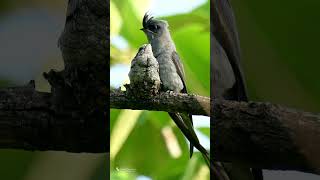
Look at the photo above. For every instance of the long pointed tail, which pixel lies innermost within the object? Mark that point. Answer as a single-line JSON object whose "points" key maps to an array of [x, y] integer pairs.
{"points": [[185, 125], [191, 145]]}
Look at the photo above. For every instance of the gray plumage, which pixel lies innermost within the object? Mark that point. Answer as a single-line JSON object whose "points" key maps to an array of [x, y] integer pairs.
{"points": [[171, 74], [227, 76], [164, 50], [144, 72], [225, 33]]}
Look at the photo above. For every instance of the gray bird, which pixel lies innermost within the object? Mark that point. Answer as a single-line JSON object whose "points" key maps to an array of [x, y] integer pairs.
{"points": [[144, 72], [227, 76], [171, 75]]}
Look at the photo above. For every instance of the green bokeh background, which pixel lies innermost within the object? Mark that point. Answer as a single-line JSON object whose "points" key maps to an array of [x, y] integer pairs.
{"points": [[280, 55], [143, 150], [280, 45]]}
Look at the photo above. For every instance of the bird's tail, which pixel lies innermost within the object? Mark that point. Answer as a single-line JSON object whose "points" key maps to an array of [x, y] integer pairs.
{"points": [[216, 168], [218, 171], [206, 157], [184, 123]]}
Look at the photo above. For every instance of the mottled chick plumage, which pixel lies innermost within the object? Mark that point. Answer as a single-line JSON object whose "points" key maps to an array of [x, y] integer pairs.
{"points": [[144, 73]]}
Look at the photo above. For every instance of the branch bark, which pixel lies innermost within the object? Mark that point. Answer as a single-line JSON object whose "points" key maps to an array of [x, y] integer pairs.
{"points": [[29, 121], [73, 117], [164, 101], [257, 134], [265, 135]]}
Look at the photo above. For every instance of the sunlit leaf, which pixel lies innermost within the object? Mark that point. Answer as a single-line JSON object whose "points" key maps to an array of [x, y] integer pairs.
{"points": [[115, 19], [197, 16], [122, 175], [203, 173], [140, 6], [118, 56], [145, 150], [196, 168], [205, 131], [131, 24], [121, 130]]}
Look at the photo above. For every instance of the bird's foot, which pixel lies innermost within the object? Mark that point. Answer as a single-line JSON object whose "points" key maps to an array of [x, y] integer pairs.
{"points": [[170, 92]]}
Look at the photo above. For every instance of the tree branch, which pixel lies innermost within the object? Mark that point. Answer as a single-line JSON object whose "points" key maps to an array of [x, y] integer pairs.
{"points": [[164, 101], [73, 116], [265, 135], [29, 121], [258, 134]]}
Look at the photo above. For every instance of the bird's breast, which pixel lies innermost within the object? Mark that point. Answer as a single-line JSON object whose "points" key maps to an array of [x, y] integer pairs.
{"points": [[168, 73]]}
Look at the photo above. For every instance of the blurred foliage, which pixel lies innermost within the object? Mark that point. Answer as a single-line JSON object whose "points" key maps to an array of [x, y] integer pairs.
{"points": [[5, 83], [139, 144], [280, 45], [15, 164], [279, 42]]}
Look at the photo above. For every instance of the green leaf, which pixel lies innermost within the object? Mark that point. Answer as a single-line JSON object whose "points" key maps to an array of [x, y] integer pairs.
{"points": [[205, 131], [122, 175], [115, 20], [121, 130], [145, 150], [132, 22], [196, 168]]}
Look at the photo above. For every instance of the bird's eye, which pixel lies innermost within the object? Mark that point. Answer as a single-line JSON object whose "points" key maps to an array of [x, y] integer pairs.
{"points": [[153, 27]]}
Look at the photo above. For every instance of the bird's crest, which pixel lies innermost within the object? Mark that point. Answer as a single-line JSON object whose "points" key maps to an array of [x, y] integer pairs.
{"points": [[146, 20]]}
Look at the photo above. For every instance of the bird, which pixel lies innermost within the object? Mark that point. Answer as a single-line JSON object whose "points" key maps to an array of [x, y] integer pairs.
{"points": [[228, 80], [144, 72], [172, 75]]}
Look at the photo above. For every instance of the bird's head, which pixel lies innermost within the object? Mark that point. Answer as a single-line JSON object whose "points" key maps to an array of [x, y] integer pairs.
{"points": [[154, 28], [145, 49]]}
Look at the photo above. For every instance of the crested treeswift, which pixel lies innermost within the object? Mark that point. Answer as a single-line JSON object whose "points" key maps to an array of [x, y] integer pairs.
{"points": [[227, 77], [171, 75]]}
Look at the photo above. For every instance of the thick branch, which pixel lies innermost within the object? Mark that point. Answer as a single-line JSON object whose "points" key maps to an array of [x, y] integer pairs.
{"points": [[169, 102], [257, 134], [266, 136], [73, 117], [29, 121]]}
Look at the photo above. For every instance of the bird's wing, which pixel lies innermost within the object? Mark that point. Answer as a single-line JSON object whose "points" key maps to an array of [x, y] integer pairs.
{"points": [[223, 79], [179, 67], [225, 31], [180, 70]]}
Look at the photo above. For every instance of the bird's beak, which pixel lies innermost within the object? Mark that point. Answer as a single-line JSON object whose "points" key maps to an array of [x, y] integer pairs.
{"points": [[143, 29]]}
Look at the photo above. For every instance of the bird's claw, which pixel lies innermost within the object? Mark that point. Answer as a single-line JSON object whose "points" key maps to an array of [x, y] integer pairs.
{"points": [[170, 92]]}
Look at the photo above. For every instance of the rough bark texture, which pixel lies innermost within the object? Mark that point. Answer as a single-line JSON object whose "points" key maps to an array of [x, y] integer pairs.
{"points": [[73, 117], [257, 134], [266, 136], [261, 135], [29, 121], [165, 101]]}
